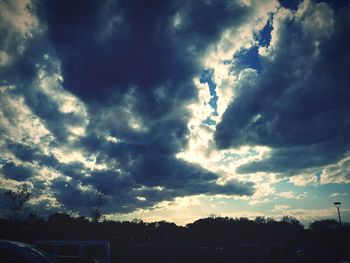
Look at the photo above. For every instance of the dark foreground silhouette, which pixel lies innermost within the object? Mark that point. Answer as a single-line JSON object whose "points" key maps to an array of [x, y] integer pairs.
{"points": [[212, 239]]}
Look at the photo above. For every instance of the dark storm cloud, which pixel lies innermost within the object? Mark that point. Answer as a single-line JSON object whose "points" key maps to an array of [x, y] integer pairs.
{"points": [[73, 169], [132, 63], [109, 50], [109, 182], [32, 154], [142, 49], [113, 50], [125, 192], [54, 120], [299, 103], [145, 171], [156, 169], [74, 198], [25, 47], [145, 63], [137, 52], [22, 152], [153, 168], [21, 68], [70, 196], [336, 5], [17, 172], [288, 161]]}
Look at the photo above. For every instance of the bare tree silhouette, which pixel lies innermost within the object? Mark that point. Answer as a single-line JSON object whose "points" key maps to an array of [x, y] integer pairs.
{"points": [[96, 212], [16, 201]]}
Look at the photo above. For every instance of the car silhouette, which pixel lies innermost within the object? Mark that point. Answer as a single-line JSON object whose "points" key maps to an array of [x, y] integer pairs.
{"points": [[18, 252]]}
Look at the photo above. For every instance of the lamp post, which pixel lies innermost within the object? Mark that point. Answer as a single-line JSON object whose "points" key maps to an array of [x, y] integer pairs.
{"points": [[337, 205]]}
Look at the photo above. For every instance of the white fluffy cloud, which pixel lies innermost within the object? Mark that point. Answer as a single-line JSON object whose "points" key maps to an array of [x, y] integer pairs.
{"points": [[337, 173]]}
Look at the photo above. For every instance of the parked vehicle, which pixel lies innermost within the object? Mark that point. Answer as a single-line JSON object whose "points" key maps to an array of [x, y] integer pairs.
{"points": [[18, 252]]}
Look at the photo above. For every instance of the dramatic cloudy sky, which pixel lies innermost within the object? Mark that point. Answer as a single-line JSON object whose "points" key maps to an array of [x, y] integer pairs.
{"points": [[177, 109]]}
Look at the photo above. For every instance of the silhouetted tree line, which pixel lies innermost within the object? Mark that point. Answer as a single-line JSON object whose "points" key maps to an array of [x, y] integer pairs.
{"points": [[211, 231], [211, 239], [212, 236]]}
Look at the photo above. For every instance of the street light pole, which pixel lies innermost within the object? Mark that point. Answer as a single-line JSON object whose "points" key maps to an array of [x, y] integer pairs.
{"points": [[337, 205]]}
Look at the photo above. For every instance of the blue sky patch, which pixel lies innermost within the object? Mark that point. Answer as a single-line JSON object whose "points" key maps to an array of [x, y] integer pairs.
{"points": [[290, 4], [264, 36], [207, 77], [248, 58], [210, 122]]}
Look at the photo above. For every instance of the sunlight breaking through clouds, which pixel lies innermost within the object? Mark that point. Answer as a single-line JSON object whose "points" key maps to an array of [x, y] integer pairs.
{"points": [[207, 107]]}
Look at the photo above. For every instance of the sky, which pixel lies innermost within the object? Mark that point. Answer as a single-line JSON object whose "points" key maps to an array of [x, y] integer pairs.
{"points": [[176, 110]]}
